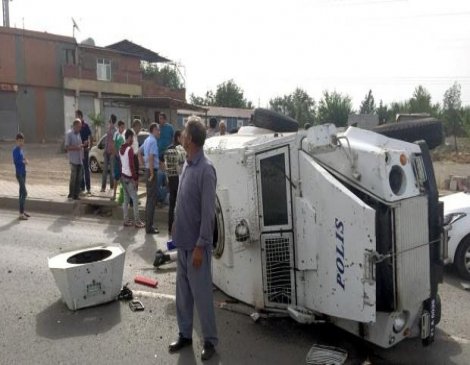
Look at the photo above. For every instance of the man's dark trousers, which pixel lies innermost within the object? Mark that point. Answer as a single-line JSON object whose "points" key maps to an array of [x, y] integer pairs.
{"points": [[152, 190], [85, 182], [173, 182], [75, 177], [22, 193]]}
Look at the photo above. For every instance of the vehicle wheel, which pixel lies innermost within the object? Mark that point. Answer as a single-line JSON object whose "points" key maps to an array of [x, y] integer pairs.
{"points": [[269, 119], [462, 258], [430, 131], [94, 165]]}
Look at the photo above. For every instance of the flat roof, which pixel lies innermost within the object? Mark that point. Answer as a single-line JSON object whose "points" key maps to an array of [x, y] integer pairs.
{"points": [[155, 101]]}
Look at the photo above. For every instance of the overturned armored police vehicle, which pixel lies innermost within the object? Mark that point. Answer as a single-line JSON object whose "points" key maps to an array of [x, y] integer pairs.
{"points": [[329, 225]]}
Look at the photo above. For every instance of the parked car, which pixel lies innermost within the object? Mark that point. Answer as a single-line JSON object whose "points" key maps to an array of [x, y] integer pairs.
{"points": [[457, 217], [96, 156]]}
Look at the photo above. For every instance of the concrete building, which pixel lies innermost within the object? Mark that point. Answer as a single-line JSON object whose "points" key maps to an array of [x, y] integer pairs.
{"points": [[234, 118], [31, 83], [44, 78]]}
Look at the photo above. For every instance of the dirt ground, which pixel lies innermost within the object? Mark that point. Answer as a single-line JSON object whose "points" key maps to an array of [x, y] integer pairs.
{"points": [[49, 164]]}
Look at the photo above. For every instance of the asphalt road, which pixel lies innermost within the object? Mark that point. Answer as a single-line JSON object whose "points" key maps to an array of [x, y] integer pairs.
{"points": [[37, 328]]}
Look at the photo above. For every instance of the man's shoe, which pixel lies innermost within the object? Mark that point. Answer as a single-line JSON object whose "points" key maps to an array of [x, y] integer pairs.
{"points": [[153, 231], [207, 351], [179, 344]]}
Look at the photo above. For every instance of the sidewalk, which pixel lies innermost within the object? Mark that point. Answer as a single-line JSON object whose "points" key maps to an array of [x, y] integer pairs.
{"points": [[47, 183]]}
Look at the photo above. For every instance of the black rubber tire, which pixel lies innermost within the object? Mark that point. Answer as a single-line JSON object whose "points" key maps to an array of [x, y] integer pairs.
{"points": [[277, 122], [93, 162], [429, 130], [459, 259]]}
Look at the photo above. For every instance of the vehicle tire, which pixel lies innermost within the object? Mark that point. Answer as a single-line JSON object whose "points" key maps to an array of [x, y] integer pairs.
{"points": [[94, 165], [269, 119], [461, 261], [428, 130]]}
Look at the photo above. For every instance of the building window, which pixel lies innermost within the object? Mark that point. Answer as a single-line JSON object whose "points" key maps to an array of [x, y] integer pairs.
{"points": [[103, 69], [70, 56]]}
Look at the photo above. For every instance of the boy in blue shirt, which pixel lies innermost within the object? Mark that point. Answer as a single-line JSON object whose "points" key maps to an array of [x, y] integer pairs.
{"points": [[20, 167]]}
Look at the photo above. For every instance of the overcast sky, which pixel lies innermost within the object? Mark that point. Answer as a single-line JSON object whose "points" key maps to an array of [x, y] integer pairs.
{"points": [[271, 47]]}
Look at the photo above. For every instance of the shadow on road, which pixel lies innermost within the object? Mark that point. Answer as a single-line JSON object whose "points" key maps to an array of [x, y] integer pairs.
{"points": [[7, 226], [452, 278], [57, 321], [58, 225]]}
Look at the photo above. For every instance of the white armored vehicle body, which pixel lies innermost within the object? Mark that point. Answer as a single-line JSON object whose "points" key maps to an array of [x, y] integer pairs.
{"points": [[322, 224]]}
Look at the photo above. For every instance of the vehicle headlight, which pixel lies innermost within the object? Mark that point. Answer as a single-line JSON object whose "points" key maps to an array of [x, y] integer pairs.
{"points": [[242, 232], [397, 180], [452, 218], [399, 322]]}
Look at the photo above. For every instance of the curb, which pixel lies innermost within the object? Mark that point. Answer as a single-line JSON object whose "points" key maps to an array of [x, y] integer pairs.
{"points": [[77, 208]]}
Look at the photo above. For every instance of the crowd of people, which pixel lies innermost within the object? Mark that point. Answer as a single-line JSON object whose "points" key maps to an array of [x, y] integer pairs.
{"points": [[170, 157]]}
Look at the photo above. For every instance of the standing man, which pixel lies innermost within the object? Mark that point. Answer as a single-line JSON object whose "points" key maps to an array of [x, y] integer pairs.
{"points": [[136, 127], [129, 180], [193, 231], [175, 156], [164, 141], [85, 134], [149, 153], [118, 141], [109, 153], [222, 129], [212, 130], [74, 148], [20, 167]]}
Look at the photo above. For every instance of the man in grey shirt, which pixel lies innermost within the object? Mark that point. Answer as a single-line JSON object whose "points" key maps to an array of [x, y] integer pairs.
{"points": [[74, 148], [193, 232]]}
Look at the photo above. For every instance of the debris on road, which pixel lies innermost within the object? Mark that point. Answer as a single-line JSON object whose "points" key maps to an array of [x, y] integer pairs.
{"points": [[326, 355], [126, 293], [144, 280], [136, 305]]}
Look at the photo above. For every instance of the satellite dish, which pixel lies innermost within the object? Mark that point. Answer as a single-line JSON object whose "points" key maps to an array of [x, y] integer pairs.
{"points": [[75, 26]]}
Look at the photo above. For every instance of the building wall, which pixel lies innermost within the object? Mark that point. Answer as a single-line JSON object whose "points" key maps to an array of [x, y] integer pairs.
{"points": [[7, 62], [32, 63]]}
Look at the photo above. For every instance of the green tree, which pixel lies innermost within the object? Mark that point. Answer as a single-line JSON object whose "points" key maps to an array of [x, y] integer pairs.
{"points": [[228, 94], [382, 112], [465, 118], [420, 102], [298, 105], [368, 104], [334, 108], [451, 106], [167, 76]]}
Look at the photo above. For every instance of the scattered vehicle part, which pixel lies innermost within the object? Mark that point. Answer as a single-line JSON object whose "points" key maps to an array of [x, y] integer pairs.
{"points": [[126, 293], [255, 316], [162, 258], [466, 286], [457, 220], [136, 305], [326, 355], [144, 280], [89, 276], [302, 315], [343, 224]]}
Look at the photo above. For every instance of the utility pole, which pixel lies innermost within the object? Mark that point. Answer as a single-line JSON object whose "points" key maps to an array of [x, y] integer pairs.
{"points": [[6, 14]]}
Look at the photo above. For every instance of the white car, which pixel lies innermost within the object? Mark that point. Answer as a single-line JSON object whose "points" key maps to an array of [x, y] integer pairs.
{"points": [[96, 156], [457, 216]]}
